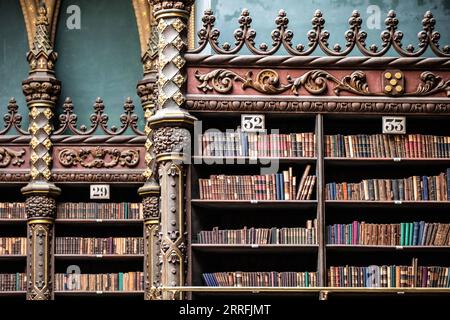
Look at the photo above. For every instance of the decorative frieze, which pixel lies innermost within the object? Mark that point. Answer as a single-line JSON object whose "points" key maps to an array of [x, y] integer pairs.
{"points": [[98, 157], [315, 82], [318, 37]]}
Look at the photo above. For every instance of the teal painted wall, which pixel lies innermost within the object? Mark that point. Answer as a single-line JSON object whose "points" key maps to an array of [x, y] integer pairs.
{"points": [[102, 59], [336, 14], [13, 63]]}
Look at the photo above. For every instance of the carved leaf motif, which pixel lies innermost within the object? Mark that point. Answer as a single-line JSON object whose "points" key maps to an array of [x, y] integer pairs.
{"points": [[99, 157], [431, 83], [11, 157], [268, 82], [221, 80]]}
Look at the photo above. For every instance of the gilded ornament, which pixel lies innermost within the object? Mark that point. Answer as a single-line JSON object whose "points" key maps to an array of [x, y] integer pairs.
{"points": [[178, 25], [179, 98], [179, 62]]}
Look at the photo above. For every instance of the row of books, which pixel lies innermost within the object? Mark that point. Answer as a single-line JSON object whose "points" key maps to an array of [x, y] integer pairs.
{"points": [[389, 276], [13, 245], [77, 245], [94, 210], [254, 144], [403, 234], [387, 146], [415, 188], [260, 279], [246, 235], [12, 282], [122, 281], [12, 210], [279, 186]]}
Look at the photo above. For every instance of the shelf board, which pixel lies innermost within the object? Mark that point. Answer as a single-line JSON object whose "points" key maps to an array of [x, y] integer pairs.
{"points": [[340, 161], [13, 257], [99, 256], [277, 290], [68, 293], [247, 160], [12, 293], [386, 204], [363, 248], [99, 221], [245, 204], [13, 221], [249, 248]]}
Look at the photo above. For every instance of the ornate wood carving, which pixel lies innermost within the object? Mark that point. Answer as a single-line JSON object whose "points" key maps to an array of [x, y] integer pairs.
{"points": [[41, 90], [169, 127], [30, 9], [172, 235], [318, 37], [99, 120], [12, 119], [64, 177], [40, 261], [14, 176], [314, 62], [98, 157], [171, 139], [13, 157], [315, 82], [40, 207], [340, 105]]}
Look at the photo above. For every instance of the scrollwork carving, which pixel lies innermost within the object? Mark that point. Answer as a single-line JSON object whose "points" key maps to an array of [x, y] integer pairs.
{"points": [[99, 157], [314, 82], [13, 119], [99, 120], [268, 82], [11, 157], [430, 84], [282, 37]]}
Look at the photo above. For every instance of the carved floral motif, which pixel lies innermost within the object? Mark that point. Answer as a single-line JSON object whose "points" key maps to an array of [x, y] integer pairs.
{"points": [[150, 206], [171, 139], [11, 157], [40, 207], [314, 82], [99, 157]]}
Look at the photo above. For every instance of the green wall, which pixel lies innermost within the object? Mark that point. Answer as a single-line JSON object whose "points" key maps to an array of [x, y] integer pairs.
{"points": [[336, 14], [102, 59], [13, 63]]}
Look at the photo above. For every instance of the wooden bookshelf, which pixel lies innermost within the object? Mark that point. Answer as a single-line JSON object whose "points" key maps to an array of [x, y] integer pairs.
{"points": [[12, 257], [102, 257], [203, 214], [246, 204], [100, 222], [369, 248], [254, 248], [99, 293], [12, 221]]}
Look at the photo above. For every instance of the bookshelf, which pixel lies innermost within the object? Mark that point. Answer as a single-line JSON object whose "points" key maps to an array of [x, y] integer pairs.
{"points": [[305, 98], [98, 228], [12, 229], [234, 214]]}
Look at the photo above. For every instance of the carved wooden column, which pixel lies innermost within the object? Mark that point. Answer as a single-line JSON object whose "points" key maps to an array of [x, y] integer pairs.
{"points": [[150, 192], [41, 90], [171, 126]]}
